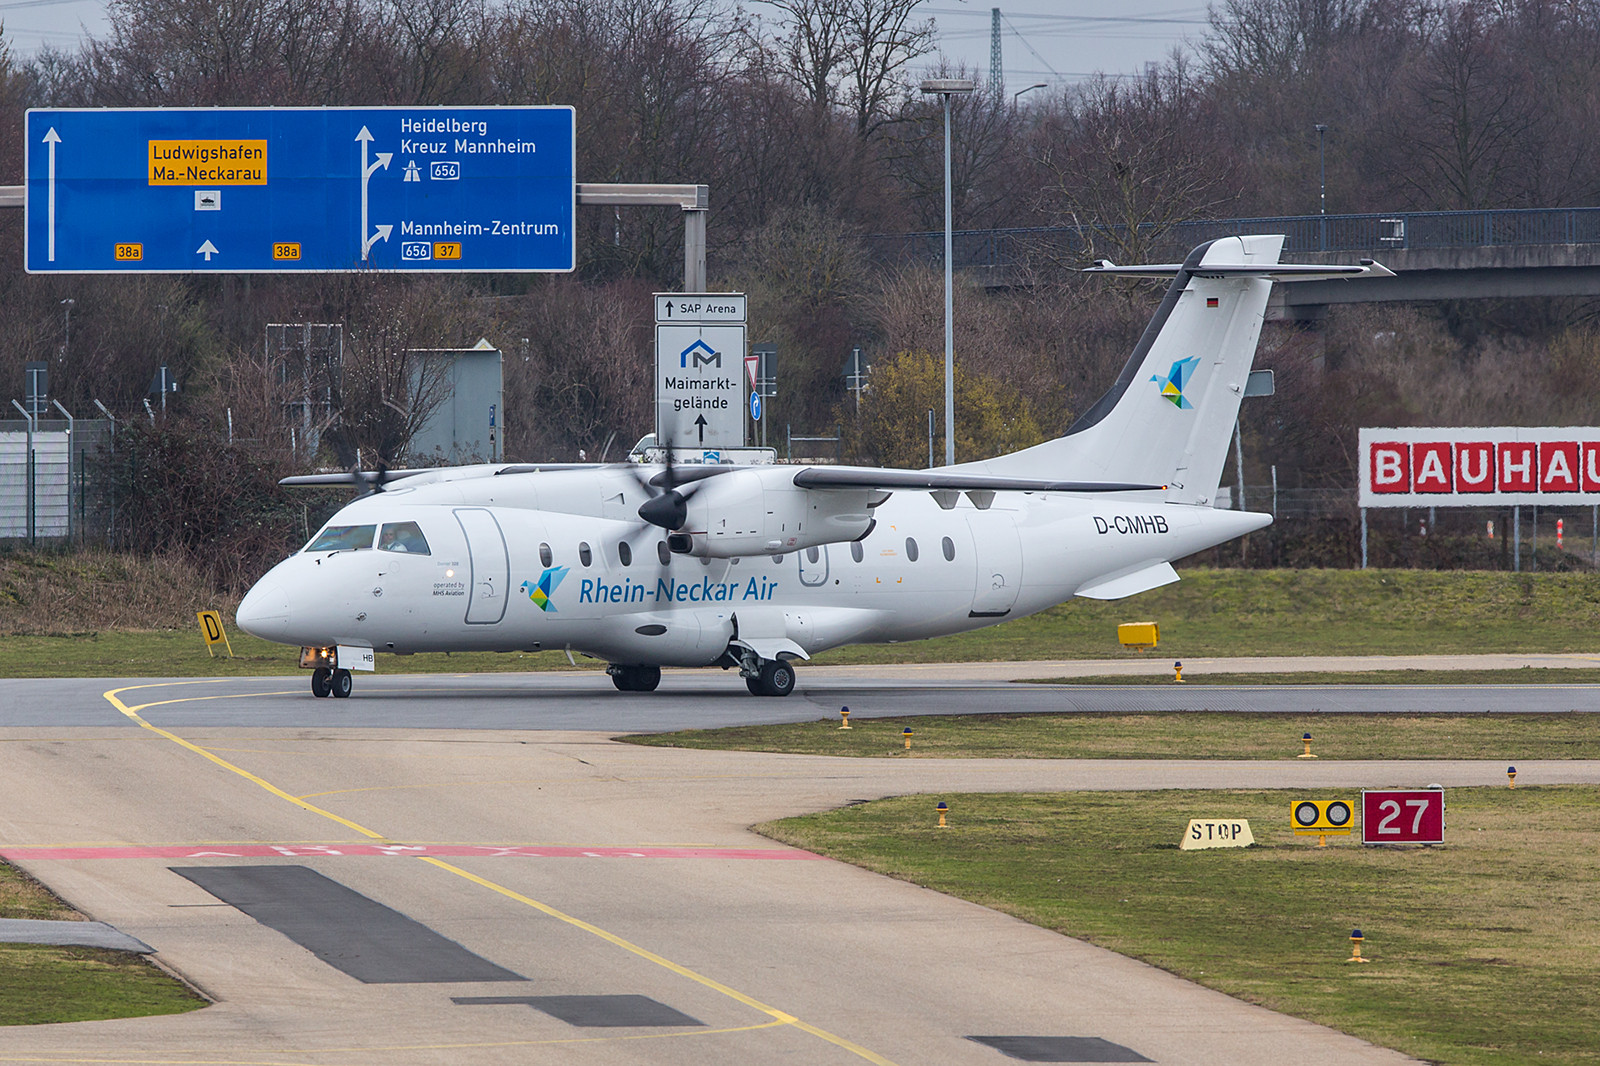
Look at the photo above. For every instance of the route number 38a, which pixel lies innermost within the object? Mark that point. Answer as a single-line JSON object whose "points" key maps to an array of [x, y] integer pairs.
{"points": [[1413, 816]]}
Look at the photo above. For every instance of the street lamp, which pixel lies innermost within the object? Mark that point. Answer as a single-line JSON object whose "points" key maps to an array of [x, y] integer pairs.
{"points": [[946, 88], [1322, 166], [1029, 89], [1322, 173]]}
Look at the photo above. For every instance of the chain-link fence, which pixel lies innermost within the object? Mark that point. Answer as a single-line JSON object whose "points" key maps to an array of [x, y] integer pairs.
{"points": [[55, 487]]}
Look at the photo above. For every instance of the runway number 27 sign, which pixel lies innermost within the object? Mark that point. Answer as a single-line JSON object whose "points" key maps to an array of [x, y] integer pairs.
{"points": [[1396, 816]]}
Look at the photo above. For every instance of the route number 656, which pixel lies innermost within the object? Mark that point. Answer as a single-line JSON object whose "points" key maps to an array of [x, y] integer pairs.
{"points": [[1412, 816]]}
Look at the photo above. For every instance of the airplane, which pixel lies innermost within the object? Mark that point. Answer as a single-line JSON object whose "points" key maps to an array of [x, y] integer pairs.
{"points": [[756, 567]]}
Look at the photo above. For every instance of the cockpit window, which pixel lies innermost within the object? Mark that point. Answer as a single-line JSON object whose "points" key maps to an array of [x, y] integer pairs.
{"points": [[403, 537], [342, 539]]}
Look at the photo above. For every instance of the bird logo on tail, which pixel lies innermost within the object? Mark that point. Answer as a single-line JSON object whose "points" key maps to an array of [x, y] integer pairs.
{"points": [[1173, 384]]}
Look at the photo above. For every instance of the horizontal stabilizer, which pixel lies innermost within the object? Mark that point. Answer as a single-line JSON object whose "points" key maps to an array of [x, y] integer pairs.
{"points": [[1277, 271]]}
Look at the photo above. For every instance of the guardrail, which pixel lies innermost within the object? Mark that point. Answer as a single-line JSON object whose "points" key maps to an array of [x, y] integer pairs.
{"points": [[1374, 233]]}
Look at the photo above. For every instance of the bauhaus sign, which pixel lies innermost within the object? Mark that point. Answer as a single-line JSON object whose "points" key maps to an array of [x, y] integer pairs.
{"points": [[1475, 467]]}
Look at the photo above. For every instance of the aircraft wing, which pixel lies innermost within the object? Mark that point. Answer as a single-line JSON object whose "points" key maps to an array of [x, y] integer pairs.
{"points": [[347, 478], [863, 477], [372, 478]]}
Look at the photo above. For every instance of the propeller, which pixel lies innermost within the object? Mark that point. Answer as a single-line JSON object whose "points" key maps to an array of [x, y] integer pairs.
{"points": [[667, 507], [670, 510]]}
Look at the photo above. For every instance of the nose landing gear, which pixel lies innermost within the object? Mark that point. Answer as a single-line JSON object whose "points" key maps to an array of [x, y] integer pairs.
{"points": [[335, 683]]}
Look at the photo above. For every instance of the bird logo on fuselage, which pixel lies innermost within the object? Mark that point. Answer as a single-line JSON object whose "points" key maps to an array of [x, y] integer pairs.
{"points": [[541, 591], [1173, 384]]}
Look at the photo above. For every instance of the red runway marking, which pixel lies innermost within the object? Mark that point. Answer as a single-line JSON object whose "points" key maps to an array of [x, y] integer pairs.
{"points": [[296, 851]]}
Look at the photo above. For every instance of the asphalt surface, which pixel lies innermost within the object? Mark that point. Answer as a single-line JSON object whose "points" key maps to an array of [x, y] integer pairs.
{"points": [[703, 699], [620, 883]]}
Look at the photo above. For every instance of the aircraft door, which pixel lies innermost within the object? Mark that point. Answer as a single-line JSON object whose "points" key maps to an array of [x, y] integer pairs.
{"points": [[813, 565], [491, 566], [999, 563]]}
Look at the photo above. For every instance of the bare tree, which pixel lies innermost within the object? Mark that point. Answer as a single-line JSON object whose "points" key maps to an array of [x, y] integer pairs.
{"points": [[1127, 161], [1474, 114], [853, 54]]}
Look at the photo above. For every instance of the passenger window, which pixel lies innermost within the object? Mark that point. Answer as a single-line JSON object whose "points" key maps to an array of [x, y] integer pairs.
{"points": [[856, 551], [911, 549], [663, 553], [624, 553], [812, 555], [949, 550], [778, 560], [403, 537], [343, 539], [545, 555], [585, 556]]}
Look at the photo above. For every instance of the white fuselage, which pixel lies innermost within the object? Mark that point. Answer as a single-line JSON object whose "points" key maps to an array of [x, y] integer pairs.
{"points": [[492, 576]]}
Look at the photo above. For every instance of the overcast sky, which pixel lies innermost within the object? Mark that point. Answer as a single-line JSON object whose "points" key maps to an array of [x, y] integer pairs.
{"points": [[1041, 40]]}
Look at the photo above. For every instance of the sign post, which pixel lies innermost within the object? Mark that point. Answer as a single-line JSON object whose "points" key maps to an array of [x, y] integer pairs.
{"points": [[236, 190], [700, 369], [212, 632]]}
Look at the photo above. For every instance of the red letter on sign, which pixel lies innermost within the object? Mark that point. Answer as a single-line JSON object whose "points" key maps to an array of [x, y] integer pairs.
{"points": [[1516, 466], [1558, 466], [1391, 468], [1432, 465], [1475, 467], [1591, 466]]}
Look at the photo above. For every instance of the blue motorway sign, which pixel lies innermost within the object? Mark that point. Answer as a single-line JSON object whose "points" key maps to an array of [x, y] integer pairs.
{"points": [[232, 190]]}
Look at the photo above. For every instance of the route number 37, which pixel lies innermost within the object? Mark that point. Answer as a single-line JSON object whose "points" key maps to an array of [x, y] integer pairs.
{"points": [[1402, 817]]}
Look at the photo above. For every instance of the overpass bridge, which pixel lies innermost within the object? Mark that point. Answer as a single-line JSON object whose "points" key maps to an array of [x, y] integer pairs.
{"points": [[1436, 255]]}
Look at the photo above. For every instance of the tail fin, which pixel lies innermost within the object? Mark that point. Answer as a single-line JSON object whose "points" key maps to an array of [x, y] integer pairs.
{"points": [[1169, 418]]}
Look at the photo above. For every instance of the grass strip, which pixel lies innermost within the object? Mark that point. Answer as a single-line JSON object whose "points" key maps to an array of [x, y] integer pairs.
{"points": [[1486, 950], [41, 984], [1524, 675], [1209, 613], [51, 983], [1190, 735]]}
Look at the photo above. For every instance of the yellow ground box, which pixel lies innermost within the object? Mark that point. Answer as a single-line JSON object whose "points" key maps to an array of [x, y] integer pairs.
{"points": [[1140, 635]]}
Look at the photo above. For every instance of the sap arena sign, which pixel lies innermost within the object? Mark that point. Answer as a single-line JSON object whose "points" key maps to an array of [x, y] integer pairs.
{"points": [[1479, 467]]}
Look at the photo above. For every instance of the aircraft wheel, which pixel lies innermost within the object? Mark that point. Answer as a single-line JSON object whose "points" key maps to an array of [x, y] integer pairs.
{"points": [[320, 682], [777, 679], [341, 684], [636, 678], [754, 685]]}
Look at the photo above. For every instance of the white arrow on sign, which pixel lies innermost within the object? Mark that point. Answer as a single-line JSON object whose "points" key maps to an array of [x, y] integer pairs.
{"points": [[382, 161], [380, 234], [208, 250], [52, 139]]}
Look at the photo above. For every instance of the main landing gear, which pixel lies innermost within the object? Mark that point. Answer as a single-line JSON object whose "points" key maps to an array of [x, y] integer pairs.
{"points": [[634, 678], [772, 678], [335, 683]]}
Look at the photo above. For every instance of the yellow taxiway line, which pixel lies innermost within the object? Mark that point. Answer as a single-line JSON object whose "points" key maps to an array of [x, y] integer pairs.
{"points": [[114, 697]]}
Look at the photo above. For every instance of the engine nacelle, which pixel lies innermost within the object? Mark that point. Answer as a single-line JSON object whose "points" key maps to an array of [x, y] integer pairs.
{"points": [[746, 513]]}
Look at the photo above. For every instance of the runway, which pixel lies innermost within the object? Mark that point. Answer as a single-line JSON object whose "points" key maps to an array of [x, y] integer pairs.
{"points": [[442, 869], [703, 699]]}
